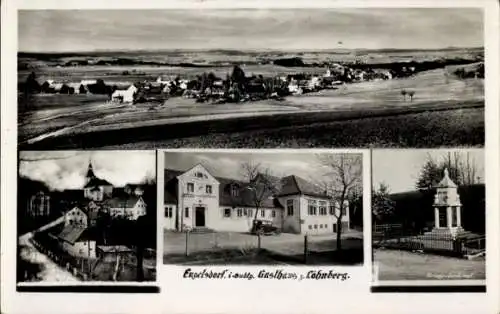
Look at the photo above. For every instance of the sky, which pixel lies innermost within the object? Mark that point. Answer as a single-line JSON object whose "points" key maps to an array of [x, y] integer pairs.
{"points": [[228, 165], [67, 169], [280, 29], [399, 169]]}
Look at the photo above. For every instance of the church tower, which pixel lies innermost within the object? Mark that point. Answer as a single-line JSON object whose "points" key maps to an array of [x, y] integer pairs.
{"points": [[90, 173]]}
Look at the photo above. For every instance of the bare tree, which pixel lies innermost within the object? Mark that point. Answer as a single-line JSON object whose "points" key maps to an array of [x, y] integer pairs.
{"points": [[462, 168], [343, 178], [261, 184]]}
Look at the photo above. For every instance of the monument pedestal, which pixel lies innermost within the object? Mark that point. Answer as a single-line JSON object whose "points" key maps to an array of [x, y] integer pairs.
{"points": [[454, 232]]}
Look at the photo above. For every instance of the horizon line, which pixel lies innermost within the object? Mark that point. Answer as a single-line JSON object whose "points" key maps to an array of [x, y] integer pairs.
{"points": [[247, 50]]}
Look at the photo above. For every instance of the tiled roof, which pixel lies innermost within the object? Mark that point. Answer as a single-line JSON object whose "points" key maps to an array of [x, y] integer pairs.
{"points": [[122, 202], [296, 185], [96, 182], [72, 234]]}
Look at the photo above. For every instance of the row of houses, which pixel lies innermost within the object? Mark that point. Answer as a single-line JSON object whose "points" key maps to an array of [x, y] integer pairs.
{"points": [[209, 86], [81, 232]]}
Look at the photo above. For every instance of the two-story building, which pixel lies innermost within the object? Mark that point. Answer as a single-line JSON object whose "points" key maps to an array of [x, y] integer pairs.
{"points": [[196, 199], [76, 237]]}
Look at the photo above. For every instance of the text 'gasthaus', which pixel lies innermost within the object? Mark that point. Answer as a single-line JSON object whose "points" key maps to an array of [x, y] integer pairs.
{"points": [[279, 274]]}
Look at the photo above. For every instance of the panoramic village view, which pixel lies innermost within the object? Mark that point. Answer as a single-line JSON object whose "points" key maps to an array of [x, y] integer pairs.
{"points": [[86, 216], [223, 208], [251, 78], [429, 214]]}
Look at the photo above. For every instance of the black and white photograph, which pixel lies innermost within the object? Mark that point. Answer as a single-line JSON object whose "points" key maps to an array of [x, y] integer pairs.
{"points": [[250, 78], [269, 208], [86, 216], [428, 215]]}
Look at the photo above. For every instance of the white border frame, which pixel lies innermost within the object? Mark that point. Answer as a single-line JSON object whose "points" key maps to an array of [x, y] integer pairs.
{"points": [[307, 301]]}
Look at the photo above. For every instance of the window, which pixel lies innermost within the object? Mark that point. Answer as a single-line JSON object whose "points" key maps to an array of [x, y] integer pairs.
{"points": [[315, 226], [322, 208], [310, 227], [168, 212], [250, 212], [239, 211], [273, 213], [199, 175], [332, 209], [245, 213], [312, 209], [289, 207], [186, 212], [208, 189], [234, 190], [227, 212], [190, 187], [262, 213], [344, 209]]}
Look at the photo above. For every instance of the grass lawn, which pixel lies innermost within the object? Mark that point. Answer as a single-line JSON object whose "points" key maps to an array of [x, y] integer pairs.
{"points": [[404, 265]]}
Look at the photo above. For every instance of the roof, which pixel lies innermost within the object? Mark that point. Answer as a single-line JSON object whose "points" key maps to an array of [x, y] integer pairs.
{"points": [[73, 234], [122, 202], [95, 181], [296, 185], [114, 249], [446, 182], [244, 198]]}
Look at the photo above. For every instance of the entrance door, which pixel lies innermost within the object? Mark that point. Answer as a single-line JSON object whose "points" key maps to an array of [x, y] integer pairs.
{"points": [[200, 216], [443, 217]]}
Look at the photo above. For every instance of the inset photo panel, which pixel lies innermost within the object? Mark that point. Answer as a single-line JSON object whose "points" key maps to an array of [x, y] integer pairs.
{"points": [[428, 217], [260, 207], [86, 217]]}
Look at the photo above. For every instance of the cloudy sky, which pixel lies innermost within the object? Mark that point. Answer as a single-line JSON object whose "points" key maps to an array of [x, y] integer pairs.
{"points": [[67, 169], [228, 165], [399, 169], [303, 29]]}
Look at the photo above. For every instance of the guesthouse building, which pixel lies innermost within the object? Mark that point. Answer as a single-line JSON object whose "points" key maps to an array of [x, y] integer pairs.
{"points": [[195, 198]]}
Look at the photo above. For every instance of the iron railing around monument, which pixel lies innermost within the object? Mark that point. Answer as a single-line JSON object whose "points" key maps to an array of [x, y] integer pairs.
{"points": [[395, 236]]}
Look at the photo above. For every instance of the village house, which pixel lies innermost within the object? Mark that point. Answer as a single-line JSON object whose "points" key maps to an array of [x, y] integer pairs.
{"points": [[79, 234], [76, 237], [131, 207], [39, 205], [197, 199], [124, 94]]}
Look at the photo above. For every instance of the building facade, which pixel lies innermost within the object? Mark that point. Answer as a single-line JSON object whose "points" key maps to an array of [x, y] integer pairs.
{"points": [[197, 199], [39, 205]]}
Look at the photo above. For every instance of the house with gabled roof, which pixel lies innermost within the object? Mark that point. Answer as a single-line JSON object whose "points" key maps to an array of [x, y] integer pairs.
{"points": [[129, 206], [195, 198], [77, 236]]}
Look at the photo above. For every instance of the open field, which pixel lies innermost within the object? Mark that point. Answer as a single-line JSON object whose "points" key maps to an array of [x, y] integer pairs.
{"points": [[402, 265], [347, 115]]}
